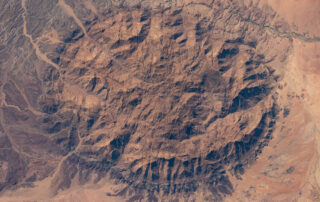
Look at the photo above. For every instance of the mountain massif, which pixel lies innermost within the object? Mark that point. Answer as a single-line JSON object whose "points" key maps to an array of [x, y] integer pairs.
{"points": [[209, 100]]}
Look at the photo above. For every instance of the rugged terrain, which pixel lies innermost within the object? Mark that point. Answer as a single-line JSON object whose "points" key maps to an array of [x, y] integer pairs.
{"points": [[159, 101]]}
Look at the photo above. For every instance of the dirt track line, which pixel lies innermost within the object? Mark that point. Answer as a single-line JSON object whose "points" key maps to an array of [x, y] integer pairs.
{"points": [[70, 12], [285, 34], [40, 55]]}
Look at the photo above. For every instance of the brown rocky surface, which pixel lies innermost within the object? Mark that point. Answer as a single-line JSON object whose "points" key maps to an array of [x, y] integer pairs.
{"points": [[159, 100]]}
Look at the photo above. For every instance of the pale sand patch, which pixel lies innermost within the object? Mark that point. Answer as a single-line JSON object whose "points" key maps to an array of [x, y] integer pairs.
{"points": [[303, 14]]}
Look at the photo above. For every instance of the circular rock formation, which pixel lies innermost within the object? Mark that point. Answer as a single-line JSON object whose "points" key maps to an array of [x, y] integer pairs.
{"points": [[167, 98], [164, 98]]}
